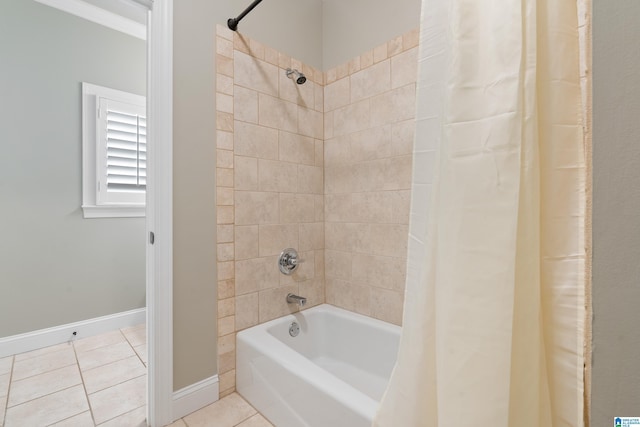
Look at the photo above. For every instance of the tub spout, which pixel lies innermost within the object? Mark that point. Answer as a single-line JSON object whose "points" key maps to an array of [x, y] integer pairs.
{"points": [[301, 301]]}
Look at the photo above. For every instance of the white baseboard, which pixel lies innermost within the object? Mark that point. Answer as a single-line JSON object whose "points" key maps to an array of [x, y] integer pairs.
{"points": [[29, 341], [195, 396]]}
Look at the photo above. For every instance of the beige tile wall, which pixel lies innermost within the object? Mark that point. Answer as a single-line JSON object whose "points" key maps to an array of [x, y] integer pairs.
{"points": [[369, 126], [270, 155]]}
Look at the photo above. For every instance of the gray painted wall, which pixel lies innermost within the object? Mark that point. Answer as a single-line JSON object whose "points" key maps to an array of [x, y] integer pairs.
{"points": [[194, 174], [291, 26], [351, 27], [55, 266], [616, 211]]}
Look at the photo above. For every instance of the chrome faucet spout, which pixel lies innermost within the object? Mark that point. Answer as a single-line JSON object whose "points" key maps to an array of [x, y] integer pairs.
{"points": [[291, 299]]}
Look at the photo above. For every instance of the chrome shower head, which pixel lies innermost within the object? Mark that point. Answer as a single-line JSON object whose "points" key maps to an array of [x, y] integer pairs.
{"points": [[296, 76]]}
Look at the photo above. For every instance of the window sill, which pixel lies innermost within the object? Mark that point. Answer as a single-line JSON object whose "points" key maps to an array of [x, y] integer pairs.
{"points": [[92, 211]]}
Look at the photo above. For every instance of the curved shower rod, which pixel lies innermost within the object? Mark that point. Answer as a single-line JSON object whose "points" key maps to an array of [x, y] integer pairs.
{"points": [[232, 23]]}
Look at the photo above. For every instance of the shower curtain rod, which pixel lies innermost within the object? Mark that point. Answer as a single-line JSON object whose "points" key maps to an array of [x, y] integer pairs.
{"points": [[232, 23]]}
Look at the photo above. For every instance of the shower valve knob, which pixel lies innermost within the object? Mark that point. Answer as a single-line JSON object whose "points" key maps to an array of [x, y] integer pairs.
{"points": [[288, 261]]}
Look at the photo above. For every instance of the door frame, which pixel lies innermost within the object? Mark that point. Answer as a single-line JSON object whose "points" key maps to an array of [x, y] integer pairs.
{"points": [[159, 214]]}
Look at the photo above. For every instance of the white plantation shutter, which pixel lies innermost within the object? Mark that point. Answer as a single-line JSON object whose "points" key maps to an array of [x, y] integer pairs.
{"points": [[114, 153], [126, 152], [121, 153]]}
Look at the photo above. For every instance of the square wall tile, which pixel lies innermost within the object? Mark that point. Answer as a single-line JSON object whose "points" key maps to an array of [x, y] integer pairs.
{"points": [[245, 107], [310, 122], [297, 208], [255, 141], [246, 311], [273, 303], [253, 73], [311, 236], [387, 305], [246, 173], [337, 94], [277, 176], [310, 179], [404, 68], [296, 148], [246, 242], [277, 113], [371, 81], [274, 238], [256, 208], [256, 273]]}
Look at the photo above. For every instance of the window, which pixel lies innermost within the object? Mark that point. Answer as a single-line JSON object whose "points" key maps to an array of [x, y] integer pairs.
{"points": [[114, 153]]}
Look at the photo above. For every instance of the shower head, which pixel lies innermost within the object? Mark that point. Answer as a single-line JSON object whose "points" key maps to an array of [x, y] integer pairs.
{"points": [[296, 76]]}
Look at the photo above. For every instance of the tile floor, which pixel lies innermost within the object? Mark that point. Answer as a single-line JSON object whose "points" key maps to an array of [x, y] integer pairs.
{"points": [[97, 381]]}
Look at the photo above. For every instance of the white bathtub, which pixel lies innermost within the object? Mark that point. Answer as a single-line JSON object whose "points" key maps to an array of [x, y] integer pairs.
{"points": [[332, 374]]}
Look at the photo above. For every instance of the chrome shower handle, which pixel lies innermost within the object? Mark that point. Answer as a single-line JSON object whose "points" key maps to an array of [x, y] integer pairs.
{"points": [[288, 261]]}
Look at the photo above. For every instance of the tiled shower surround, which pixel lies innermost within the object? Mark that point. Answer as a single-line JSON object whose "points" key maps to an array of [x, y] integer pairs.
{"points": [[323, 167], [369, 129]]}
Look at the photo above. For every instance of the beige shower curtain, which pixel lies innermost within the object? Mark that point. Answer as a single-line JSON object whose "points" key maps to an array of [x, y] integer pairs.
{"points": [[493, 325]]}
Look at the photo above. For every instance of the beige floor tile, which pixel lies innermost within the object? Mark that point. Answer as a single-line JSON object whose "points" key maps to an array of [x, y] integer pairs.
{"points": [[256, 421], [40, 385], [136, 335], [81, 420], [97, 341], [5, 365], [119, 399], [227, 412], [44, 363], [106, 376], [178, 423], [3, 407], [4, 385], [104, 355], [141, 351], [41, 351], [135, 418], [48, 409]]}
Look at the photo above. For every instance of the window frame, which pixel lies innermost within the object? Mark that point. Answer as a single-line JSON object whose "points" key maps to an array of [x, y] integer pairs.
{"points": [[92, 206]]}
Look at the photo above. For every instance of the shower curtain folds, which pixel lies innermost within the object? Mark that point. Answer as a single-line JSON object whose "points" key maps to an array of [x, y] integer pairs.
{"points": [[493, 326]]}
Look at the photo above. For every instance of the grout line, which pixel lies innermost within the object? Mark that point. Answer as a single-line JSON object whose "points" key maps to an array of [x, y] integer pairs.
{"points": [[84, 387], [44, 395], [68, 418], [46, 353], [99, 347], [38, 397], [133, 347], [121, 415], [117, 384], [77, 364], [253, 407], [6, 403], [42, 373]]}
